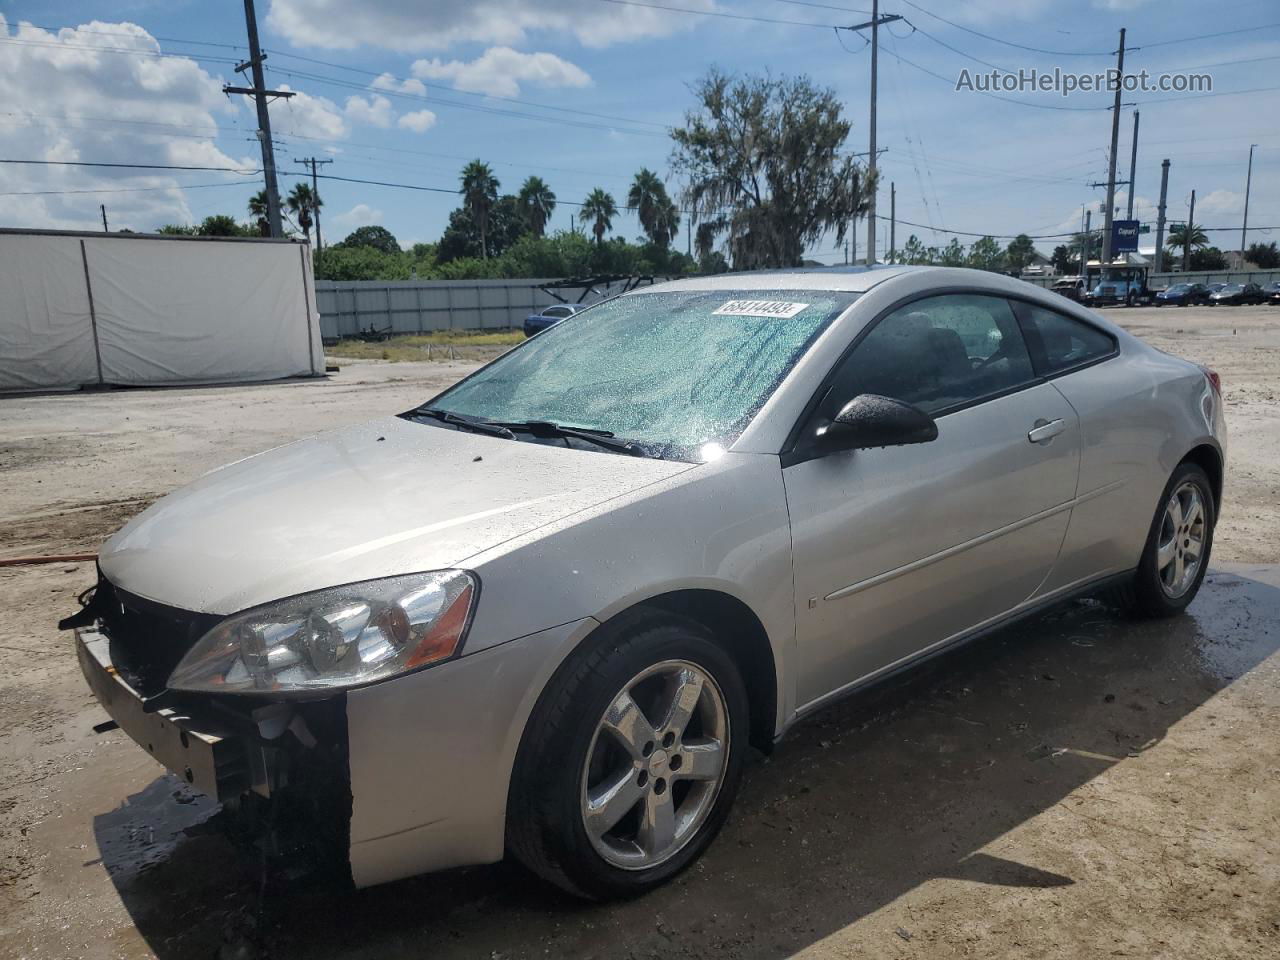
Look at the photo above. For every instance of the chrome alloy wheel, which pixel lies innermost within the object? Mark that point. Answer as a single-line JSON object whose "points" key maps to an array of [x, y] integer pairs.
{"points": [[655, 766], [1180, 548]]}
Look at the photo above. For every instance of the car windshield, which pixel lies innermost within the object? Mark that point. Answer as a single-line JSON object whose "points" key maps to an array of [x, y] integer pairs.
{"points": [[672, 371], [1230, 288], [1180, 288]]}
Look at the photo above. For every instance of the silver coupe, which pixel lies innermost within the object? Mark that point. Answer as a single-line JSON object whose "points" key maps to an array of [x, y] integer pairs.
{"points": [[548, 612]]}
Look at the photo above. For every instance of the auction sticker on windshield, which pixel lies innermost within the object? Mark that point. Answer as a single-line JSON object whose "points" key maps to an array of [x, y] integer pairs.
{"points": [[782, 309]]}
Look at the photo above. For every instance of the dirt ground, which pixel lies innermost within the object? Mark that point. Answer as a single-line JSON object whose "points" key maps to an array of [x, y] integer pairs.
{"points": [[1076, 786]]}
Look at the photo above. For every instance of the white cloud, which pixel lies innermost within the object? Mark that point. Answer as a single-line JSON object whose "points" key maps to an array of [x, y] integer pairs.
{"points": [[1220, 202], [419, 121], [499, 71], [84, 104], [308, 116], [408, 85], [375, 110], [410, 25], [361, 215]]}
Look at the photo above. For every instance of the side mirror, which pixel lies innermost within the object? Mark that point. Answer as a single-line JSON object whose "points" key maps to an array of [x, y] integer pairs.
{"points": [[870, 420]]}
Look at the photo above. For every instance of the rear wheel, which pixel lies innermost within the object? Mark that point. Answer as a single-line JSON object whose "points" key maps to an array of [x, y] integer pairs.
{"points": [[1176, 555], [631, 760]]}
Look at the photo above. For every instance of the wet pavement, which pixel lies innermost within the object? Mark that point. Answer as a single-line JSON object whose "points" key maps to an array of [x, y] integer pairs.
{"points": [[1078, 784]]}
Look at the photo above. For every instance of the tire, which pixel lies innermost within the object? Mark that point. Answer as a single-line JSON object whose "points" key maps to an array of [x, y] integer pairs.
{"points": [[1131, 300], [1150, 593], [571, 755]]}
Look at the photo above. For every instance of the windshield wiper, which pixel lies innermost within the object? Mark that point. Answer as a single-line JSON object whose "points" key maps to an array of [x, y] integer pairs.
{"points": [[487, 427], [545, 429]]}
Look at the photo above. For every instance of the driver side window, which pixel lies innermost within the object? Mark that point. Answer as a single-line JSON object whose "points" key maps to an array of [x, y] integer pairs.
{"points": [[937, 353]]}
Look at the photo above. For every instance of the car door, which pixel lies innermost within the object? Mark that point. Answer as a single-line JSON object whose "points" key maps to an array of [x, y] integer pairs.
{"points": [[897, 549]]}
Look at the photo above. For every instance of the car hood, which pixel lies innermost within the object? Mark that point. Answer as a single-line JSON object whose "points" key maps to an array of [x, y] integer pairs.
{"points": [[379, 499]]}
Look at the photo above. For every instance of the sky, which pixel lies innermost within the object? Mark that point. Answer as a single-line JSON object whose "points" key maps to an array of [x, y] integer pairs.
{"points": [[583, 92]]}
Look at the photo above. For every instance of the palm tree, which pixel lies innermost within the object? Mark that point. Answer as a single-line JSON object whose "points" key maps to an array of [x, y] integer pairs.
{"points": [[1186, 235], [537, 203], [258, 212], [302, 203], [648, 198], [599, 209], [479, 194]]}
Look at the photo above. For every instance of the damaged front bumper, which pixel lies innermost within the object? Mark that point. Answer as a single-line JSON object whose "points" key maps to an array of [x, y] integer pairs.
{"points": [[213, 763]]}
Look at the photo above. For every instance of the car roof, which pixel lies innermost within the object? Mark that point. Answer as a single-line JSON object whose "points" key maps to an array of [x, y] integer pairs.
{"points": [[846, 279]]}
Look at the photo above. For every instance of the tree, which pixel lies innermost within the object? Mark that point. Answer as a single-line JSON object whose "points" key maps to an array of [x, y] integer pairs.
{"points": [[765, 163], [913, 252], [1184, 235], [598, 209], [303, 202], [953, 255], [479, 194], [658, 216], [537, 203], [222, 225], [1208, 259], [1263, 255], [380, 238], [1021, 250], [985, 254], [461, 238], [176, 230], [258, 212], [1066, 259]]}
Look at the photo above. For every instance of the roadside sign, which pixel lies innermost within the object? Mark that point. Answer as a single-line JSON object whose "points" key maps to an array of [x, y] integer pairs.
{"points": [[1124, 236]]}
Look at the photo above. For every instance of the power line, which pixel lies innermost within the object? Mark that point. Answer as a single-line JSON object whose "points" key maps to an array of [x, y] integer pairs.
{"points": [[171, 187], [133, 166], [618, 120], [1009, 43], [453, 191], [1200, 36], [719, 13], [995, 96], [436, 86]]}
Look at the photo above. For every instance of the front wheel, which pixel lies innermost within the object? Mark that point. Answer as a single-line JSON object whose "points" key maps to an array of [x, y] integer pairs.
{"points": [[1176, 555], [631, 760]]}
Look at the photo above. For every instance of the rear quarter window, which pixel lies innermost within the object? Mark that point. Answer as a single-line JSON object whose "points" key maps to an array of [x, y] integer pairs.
{"points": [[1059, 342]]}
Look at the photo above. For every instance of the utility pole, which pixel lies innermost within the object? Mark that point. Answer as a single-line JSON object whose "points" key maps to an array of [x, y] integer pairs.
{"points": [[1164, 193], [103, 208], [874, 23], [259, 92], [893, 221], [853, 226], [312, 162], [1133, 164], [1111, 162], [1186, 236], [1087, 247], [1244, 227]]}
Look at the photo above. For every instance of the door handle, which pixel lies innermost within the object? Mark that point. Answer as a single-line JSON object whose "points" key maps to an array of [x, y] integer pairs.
{"points": [[1045, 430]]}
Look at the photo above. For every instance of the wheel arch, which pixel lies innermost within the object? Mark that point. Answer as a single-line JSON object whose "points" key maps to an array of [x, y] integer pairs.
{"points": [[1209, 459], [738, 629]]}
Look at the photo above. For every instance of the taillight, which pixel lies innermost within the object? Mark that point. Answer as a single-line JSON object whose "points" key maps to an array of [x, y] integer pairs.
{"points": [[1215, 381]]}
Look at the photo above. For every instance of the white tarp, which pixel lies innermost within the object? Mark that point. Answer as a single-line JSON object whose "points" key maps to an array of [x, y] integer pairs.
{"points": [[95, 309]]}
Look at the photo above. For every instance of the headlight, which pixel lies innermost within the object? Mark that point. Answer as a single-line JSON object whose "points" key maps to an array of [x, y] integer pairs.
{"points": [[339, 637]]}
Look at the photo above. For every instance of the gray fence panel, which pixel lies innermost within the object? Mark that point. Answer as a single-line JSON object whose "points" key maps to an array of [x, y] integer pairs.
{"points": [[423, 306]]}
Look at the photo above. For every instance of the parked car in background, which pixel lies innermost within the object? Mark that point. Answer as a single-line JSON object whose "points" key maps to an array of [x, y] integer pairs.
{"points": [[1183, 294], [1215, 287], [1237, 294], [549, 317], [563, 597], [1272, 292], [1117, 285], [1070, 287]]}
